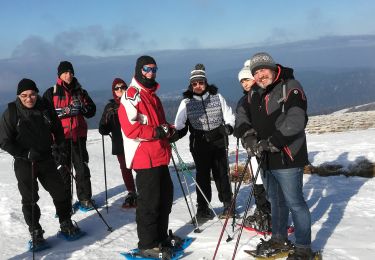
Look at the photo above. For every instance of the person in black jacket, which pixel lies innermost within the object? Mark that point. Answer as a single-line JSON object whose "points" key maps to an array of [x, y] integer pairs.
{"points": [[278, 117], [28, 130], [109, 123]]}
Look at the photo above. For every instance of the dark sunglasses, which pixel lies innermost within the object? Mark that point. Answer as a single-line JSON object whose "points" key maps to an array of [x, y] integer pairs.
{"points": [[148, 69], [196, 83], [118, 88]]}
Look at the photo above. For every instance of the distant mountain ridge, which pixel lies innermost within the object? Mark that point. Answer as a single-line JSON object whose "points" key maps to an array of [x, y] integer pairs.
{"points": [[336, 72]]}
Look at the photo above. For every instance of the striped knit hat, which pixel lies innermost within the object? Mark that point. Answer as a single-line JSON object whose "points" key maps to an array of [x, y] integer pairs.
{"points": [[198, 73]]}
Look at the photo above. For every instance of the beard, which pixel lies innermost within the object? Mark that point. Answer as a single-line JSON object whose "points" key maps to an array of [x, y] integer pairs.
{"points": [[264, 82]]}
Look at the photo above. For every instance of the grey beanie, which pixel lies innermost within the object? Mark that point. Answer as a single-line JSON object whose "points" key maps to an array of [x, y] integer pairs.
{"points": [[198, 73], [262, 60]]}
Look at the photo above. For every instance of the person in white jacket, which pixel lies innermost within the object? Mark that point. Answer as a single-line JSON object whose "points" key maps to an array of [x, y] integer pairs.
{"points": [[209, 119]]}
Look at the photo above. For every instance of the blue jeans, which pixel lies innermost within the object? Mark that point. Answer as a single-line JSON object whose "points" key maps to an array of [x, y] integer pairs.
{"points": [[284, 191]]}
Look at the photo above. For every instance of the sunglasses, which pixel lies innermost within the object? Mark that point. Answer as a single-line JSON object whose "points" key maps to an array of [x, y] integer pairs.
{"points": [[118, 88], [148, 69], [196, 83]]}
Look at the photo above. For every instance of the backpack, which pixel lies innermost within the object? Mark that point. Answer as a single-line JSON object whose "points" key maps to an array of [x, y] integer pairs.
{"points": [[13, 114]]}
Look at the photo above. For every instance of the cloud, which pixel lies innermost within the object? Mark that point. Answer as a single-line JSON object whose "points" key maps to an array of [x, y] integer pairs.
{"points": [[35, 46]]}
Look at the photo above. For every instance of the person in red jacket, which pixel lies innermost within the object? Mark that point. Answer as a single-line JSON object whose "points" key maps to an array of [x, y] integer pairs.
{"points": [[147, 151], [73, 104], [109, 123]]}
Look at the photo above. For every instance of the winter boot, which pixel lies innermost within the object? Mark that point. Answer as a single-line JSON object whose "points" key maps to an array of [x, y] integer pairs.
{"points": [[164, 253], [86, 205], [273, 247], [204, 213], [37, 241], [130, 200], [226, 210], [172, 241], [301, 253], [70, 231]]}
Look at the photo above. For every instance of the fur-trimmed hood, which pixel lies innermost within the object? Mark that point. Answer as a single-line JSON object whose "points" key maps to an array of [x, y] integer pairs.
{"points": [[212, 89]]}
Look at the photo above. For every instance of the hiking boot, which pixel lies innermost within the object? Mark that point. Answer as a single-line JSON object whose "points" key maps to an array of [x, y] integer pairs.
{"points": [[300, 253], [164, 253], [226, 212], [36, 238], [273, 246], [68, 229], [130, 200], [172, 241], [86, 205], [204, 213]]}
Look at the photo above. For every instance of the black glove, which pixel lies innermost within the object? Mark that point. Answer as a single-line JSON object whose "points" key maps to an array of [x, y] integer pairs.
{"points": [[59, 154], [226, 129], [265, 146], [249, 142], [33, 155], [174, 136], [162, 131]]}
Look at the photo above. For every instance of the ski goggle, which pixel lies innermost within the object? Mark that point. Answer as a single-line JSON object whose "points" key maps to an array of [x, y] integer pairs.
{"points": [[148, 69]]}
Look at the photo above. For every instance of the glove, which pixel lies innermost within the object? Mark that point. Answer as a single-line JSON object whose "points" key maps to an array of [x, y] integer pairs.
{"points": [[226, 129], [249, 141], [162, 131], [33, 155], [174, 137], [265, 146], [59, 154]]}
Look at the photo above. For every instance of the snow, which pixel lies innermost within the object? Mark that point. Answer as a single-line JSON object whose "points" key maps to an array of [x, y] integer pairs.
{"points": [[342, 208]]}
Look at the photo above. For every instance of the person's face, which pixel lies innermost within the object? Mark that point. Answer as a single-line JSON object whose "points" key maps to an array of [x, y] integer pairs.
{"points": [[247, 84], [264, 77], [67, 77], [199, 86], [149, 71], [119, 89], [28, 98]]}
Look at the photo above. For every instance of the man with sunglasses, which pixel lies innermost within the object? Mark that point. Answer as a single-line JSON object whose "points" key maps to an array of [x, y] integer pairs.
{"points": [[147, 151], [28, 129], [109, 123], [205, 113]]}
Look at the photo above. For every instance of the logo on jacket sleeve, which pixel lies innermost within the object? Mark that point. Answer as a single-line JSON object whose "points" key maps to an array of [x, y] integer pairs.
{"points": [[131, 93]]}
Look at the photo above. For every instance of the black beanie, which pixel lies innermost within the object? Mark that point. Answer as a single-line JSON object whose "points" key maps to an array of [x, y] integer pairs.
{"points": [[64, 66], [141, 61], [26, 84]]}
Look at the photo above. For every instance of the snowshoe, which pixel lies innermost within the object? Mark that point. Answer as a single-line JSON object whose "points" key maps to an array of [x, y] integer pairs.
{"points": [[172, 241], [130, 200], [270, 248], [304, 254], [70, 231], [37, 242], [86, 205], [260, 222]]}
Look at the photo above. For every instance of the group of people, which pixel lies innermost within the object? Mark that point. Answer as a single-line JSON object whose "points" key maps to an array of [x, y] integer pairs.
{"points": [[270, 119]]}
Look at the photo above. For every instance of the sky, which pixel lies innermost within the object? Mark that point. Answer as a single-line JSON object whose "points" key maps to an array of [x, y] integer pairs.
{"points": [[117, 27], [339, 205]]}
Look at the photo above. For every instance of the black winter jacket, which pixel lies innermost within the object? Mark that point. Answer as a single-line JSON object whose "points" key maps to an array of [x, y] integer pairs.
{"points": [[109, 123], [36, 128], [285, 130]]}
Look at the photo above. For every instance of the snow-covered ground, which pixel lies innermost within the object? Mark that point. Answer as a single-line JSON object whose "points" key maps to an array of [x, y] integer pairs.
{"points": [[342, 208]]}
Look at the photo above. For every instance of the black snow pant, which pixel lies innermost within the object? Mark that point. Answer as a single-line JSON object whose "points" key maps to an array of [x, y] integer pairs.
{"points": [[209, 156], [154, 204], [45, 171], [77, 152]]}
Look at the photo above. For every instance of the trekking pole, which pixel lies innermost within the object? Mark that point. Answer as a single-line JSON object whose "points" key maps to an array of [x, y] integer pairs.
{"points": [[71, 160], [235, 174], [105, 176], [247, 206], [196, 230], [231, 207], [32, 207], [110, 229], [185, 169]]}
